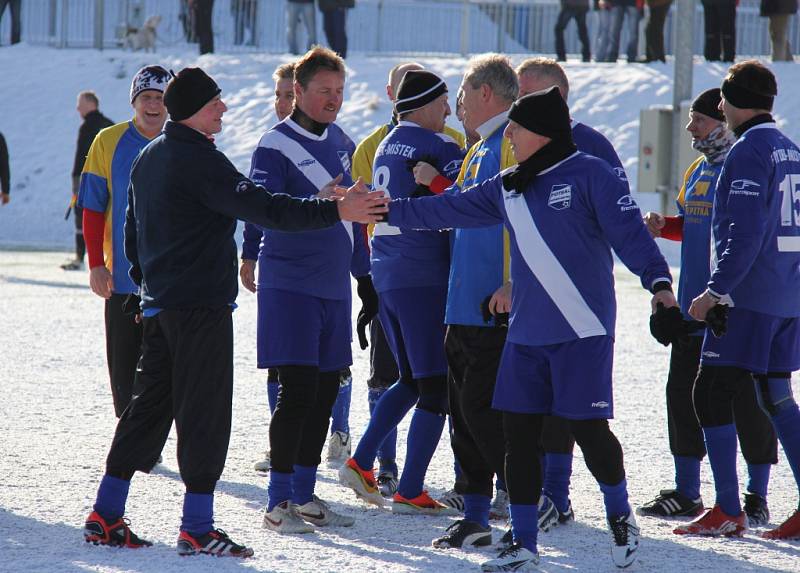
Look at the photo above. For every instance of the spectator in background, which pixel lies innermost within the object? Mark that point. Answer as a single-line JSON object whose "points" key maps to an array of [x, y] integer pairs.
{"points": [[244, 18], [295, 11], [334, 20], [186, 16], [632, 11], [720, 27], [203, 11], [603, 8], [654, 31], [15, 6], [5, 173], [570, 9], [93, 122], [779, 13]]}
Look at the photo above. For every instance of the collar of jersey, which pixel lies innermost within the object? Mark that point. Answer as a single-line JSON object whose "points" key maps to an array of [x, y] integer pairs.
{"points": [[304, 132], [491, 125], [767, 125]]}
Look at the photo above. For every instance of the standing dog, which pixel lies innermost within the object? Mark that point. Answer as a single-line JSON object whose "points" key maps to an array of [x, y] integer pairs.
{"points": [[145, 37]]}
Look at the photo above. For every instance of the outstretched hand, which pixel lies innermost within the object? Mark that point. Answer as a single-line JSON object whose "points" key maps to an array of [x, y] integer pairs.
{"points": [[654, 223], [361, 205]]}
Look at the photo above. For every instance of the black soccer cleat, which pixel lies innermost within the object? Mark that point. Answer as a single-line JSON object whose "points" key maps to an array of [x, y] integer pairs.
{"points": [[215, 542], [672, 503], [464, 533], [116, 534], [567, 515], [756, 509]]}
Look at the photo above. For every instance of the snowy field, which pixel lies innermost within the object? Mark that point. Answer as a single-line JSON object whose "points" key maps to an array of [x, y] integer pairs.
{"points": [[57, 421], [56, 416]]}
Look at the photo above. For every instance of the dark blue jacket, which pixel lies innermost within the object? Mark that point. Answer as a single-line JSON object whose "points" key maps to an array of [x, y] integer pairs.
{"points": [[183, 202]]}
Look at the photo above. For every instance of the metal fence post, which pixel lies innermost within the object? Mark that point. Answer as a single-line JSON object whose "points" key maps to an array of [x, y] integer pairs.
{"points": [[378, 26], [99, 21], [465, 28], [64, 24]]}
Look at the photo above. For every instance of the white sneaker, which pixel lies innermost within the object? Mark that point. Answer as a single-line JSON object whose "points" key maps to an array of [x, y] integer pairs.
{"points": [[499, 507], [624, 539], [264, 465], [284, 519], [515, 558], [338, 448], [320, 513]]}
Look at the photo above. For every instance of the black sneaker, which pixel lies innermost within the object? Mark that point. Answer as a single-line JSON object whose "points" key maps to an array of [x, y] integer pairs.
{"points": [[756, 509], [506, 541], [566, 515], [464, 533], [215, 542], [672, 503], [387, 483], [117, 534]]}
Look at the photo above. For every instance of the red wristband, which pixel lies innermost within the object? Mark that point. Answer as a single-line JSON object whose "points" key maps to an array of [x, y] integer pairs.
{"points": [[673, 228], [439, 184]]}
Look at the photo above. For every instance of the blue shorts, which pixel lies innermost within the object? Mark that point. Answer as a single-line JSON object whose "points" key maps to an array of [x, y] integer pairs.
{"points": [[757, 342], [571, 379], [413, 320], [303, 330]]}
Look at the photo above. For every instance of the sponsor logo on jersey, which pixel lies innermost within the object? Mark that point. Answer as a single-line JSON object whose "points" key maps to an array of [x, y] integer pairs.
{"points": [[454, 165], [701, 189], [307, 162], [709, 354], [600, 404], [626, 203], [560, 196], [740, 187], [345, 159], [621, 173], [256, 172]]}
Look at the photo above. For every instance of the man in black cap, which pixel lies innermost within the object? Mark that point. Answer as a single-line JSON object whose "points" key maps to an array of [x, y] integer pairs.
{"points": [[692, 226], [183, 203], [565, 211]]}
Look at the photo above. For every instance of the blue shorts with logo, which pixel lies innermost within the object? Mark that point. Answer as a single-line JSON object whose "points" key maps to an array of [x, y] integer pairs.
{"points": [[303, 330], [413, 320], [756, 342], [570, 379]]}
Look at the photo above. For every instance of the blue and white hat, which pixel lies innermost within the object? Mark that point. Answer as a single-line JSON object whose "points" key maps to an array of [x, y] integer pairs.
{"points": [[149, 78]]}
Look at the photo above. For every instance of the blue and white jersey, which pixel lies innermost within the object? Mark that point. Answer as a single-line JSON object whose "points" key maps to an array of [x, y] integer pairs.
{"points": [[562, 228], [296, 162], [592, 142], [410, 258], [756, 224]]}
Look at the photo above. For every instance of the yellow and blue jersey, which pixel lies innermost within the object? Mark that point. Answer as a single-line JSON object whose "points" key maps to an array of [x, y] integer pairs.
{"points": [[104, 188]]}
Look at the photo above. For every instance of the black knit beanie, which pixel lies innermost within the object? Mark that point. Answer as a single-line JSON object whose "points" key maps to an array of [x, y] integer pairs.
{"points": [[707, 103], [417, 89], [544, 112], [188, 92]]}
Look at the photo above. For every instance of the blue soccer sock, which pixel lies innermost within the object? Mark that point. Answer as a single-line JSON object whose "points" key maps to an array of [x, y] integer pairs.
{"points": [[616, 498], [687, 476], [476, 508], [272, 395], [389, 411], [758, 478], [525, 525], [279, 488], [387, 451], [111, 497], [721, 447], [198, 513], [304, 479], [423, 437], [787, 426], [556, 479], [340, 415]]}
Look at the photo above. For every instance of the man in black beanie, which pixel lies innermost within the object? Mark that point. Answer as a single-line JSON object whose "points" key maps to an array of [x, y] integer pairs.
{"points": [[692, 227], [183, 204], [565, 211]]}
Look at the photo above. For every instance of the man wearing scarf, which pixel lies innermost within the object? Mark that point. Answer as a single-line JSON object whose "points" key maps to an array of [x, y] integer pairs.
{"points": [[565, 211], [692, 226], [756, 277]]}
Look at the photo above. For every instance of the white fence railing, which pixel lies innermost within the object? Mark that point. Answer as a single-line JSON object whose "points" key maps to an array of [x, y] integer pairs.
{"points": [[374, 26]]}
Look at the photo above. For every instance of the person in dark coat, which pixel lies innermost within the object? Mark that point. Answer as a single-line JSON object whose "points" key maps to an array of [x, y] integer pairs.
{"points": [[203, 12], [15, 7], [5, 173], [654, 30], [570, 9], [184, 200], [93, 122], [720, 29], [779, 13], [334, 21]]}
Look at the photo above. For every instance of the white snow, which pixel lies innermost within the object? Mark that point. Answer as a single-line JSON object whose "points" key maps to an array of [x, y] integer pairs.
{"points": [[56, 417]]}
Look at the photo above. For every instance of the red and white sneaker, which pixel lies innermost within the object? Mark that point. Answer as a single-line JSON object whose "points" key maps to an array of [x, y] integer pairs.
{"points": [[423, 504], [789, 529], [117, 534], [715, 522], [361, 481]]}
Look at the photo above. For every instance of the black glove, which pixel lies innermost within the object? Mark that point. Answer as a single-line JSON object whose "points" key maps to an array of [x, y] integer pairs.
{"points": [[717, 320], [500, 319], [369, 308], [132, 304], [667, 324]]}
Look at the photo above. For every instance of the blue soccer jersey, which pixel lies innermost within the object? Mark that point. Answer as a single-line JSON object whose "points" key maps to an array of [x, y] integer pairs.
{"points": [[294, 161], [756, 224], [592, 142], [411, 258], [563, 229]]}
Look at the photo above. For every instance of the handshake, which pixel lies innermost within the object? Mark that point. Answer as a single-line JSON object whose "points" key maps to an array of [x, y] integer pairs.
{"points": [[356, 203], [668, 326]]}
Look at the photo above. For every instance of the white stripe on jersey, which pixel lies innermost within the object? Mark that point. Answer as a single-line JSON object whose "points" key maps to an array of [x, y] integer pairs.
{"points": [[304, 161], [548, 270], [788, 244]]}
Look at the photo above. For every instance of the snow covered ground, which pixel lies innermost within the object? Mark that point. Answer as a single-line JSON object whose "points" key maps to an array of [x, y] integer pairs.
{"points": [[56, 417]]}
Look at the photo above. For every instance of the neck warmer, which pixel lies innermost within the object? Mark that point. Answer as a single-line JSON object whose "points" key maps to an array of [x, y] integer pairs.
{"points": [[520, 178], [303, 120], [715, 145]]}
